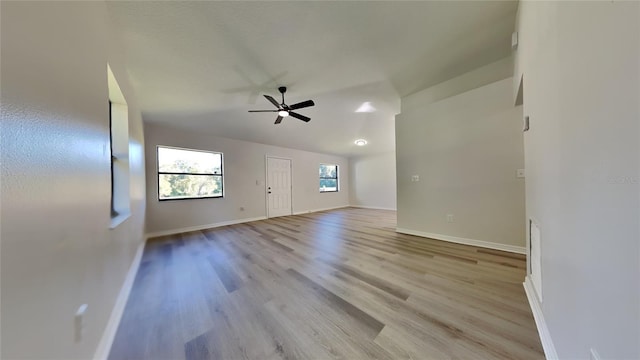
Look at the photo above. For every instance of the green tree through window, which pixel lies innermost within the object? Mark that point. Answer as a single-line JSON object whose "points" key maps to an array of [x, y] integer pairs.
{"points": [[328, 178], [189, 174]]}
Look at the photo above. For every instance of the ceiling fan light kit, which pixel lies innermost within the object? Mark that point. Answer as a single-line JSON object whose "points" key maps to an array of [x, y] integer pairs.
{"points": [[285, 110]]}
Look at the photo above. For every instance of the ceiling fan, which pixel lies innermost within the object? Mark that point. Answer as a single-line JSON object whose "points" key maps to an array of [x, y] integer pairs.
{"points": [[285, 110]]}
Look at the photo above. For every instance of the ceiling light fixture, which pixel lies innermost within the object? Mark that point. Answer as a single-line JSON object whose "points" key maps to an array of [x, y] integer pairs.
{"points": [[360, 142], [283, 113], [366, 107]]}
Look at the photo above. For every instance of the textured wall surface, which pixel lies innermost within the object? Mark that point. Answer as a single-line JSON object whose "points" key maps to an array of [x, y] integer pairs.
{"points": [[466, 150], [57, 251], [373, 181], [580, 62]]}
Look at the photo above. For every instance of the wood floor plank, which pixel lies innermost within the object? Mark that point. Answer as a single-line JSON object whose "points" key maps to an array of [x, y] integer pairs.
{"points": [[335, 339], [369, 322], [339, 284], [229, 278], [402, 346], [370, 279]]}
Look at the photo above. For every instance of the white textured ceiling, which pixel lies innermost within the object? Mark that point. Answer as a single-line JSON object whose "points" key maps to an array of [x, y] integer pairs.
{"points": [[201, 65]]}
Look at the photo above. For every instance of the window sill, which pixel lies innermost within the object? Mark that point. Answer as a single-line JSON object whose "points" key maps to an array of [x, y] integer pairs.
{"points": [[192, 198], [116, 221]]}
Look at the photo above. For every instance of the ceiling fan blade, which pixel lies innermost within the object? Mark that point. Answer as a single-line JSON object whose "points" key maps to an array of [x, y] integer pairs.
{"points": [[272, 100], [278, 119], [264, 110], [301, 105], [298, 116]]}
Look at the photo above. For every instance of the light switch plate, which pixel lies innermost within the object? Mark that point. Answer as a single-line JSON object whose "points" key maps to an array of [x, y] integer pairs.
{"points": [[415, 178]]}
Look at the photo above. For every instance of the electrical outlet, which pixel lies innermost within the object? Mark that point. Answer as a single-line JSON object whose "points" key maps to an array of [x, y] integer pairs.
{"points": [[78, 322], [415, 178], [449, 218]]}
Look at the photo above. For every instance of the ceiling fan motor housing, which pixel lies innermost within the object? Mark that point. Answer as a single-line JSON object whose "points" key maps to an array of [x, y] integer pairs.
{"points": [[285, 110]]}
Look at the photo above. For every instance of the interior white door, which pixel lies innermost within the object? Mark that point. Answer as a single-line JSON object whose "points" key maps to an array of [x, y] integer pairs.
{"points": [[278, 187]]}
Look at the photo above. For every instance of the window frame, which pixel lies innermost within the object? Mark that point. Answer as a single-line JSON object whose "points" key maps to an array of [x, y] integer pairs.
{"points": [[158, 172], [112, 157], [330, 178], [120, 199]]}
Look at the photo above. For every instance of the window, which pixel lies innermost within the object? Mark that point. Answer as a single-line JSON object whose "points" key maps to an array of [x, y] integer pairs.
{"points": [[328, 178], [119, 151], [188, 174], [114, 212]]}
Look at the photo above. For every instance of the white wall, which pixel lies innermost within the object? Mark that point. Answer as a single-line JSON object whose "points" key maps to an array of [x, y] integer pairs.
{"points": [[466, 150], [373, 181], [57, 249], [476, 78], [580, 62], [244, 181]]}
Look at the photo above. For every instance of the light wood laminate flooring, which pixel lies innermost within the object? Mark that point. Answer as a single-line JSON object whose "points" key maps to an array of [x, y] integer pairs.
{"points": [[338, 284]]}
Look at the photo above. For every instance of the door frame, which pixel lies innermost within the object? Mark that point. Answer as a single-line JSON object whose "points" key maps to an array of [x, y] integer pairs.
{"points": [[266, 181]]}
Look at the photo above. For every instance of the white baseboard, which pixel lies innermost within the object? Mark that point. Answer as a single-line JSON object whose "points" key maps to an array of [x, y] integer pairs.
{"points": [[458, 240], [225, 223], [373, 207], [543, 331], [323, 209], [102, 352], [201, 227]]}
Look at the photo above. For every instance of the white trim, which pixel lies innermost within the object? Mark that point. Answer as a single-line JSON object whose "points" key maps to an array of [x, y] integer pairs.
{"points": [[323, 209], [543, 331], [119, 219], [373, 207], [102, 351], [458, 240], [201, 227], [157, 176]]}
